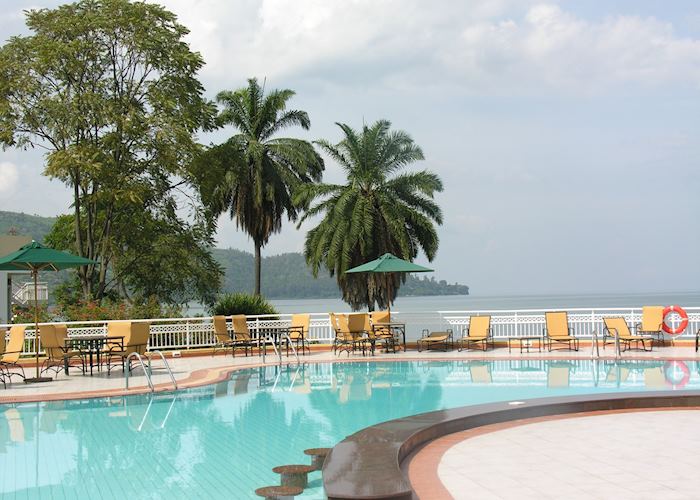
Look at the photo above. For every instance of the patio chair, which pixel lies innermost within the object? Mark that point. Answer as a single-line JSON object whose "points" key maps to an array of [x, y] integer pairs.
{"points": [[58, 354], [559, 331], [478, 331], [435, 339], [298, 332], [480, 372], [379, 334], [619, 326], [15, 425], [223, 337], [135, 340], [558, 375], [241, 335], [360, 336], [12, 352], [652, 323], [343, 339]]}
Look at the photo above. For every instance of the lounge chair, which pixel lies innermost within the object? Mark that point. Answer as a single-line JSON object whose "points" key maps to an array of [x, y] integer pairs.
{"points": [[435, 339], [379, 334], [480, 372], [343, 339], [381, 327], [559, 331], [298, 332], [558, 375], [223, 337], [13, 350], [652, 323], [478, 331], [15, 424], [58, 354], [241, 335], [360, 336], [619, 326], [134, 339]]}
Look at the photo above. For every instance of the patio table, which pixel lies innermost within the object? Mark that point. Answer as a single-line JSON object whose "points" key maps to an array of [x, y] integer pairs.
{"points": [[92, 345]]}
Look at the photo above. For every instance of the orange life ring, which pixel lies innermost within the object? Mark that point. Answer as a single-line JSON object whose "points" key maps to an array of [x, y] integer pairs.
{"points": [[671, 369], [684, 320]]}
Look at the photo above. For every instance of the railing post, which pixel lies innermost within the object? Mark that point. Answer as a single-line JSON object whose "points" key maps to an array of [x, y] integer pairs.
{"points": [[187, 334]]}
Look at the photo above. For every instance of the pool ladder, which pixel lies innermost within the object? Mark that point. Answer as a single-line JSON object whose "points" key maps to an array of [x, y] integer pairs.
{"points": [[148, 371], [278, 347]]}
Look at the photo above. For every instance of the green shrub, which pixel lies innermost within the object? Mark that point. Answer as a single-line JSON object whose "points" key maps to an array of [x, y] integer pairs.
{"points": [[229, 304]]}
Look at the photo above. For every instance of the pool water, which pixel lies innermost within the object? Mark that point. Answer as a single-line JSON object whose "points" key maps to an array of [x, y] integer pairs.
{"points": [[222, 440]]}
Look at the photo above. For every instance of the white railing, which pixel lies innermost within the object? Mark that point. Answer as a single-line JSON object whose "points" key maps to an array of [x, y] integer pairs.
{"points": [[584, 321], [190, 333]]}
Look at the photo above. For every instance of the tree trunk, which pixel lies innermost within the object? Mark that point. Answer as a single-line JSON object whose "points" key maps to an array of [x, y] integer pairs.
{"points": [[258, 265]]}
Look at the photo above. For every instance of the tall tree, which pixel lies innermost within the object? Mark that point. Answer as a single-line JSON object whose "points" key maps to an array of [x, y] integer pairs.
{"points": [[253, 174], [380, 209], [108, 88]]}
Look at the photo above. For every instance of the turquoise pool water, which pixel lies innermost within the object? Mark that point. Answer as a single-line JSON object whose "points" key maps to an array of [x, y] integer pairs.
{"points": [[220, 441]]}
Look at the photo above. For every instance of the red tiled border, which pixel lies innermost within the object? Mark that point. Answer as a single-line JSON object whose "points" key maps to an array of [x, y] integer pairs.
{"points": [[422, 466]]}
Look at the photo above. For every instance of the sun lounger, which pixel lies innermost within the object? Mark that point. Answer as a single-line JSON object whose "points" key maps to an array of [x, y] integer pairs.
{"points": [[58, 354], [298, 332], [241, 335], [558, 375], [223, 337], [478, 332], [135, 336], [652, 323], [13, 350], [559, 331], [480, 372], [618, 326], [435, 339]]}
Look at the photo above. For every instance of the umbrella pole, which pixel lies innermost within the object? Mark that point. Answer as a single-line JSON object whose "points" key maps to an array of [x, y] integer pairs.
{"points": [[36, 319], [38, 378]]}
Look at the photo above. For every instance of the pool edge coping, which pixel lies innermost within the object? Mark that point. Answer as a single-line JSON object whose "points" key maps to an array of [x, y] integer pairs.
{"points": [[368, 463]]}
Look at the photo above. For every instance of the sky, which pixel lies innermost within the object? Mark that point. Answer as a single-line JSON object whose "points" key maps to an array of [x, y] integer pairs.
{"points": [[565, 132]]}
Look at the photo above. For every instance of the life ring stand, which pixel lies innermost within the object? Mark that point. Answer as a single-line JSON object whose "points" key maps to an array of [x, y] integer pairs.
{"points": [[683, 324]]}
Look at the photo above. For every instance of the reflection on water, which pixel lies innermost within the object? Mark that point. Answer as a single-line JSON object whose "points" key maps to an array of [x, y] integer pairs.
{"points": [[222, 440]]}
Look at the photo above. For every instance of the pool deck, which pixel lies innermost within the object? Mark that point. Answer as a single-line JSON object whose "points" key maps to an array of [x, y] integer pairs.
{"points": [[618, 454], [197, 370]]}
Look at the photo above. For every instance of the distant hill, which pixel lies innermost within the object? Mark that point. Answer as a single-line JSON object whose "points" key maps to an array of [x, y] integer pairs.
{"points": [[283, 276], [287, 276], [26, 225]]}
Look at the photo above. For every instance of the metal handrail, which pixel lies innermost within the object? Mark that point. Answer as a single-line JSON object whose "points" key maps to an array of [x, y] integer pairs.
{"points": [[143, 366], [165, 362], [595, 351]]}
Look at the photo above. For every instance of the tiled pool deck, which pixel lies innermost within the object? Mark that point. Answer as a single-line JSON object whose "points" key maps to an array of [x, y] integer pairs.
{"points": [[623, 455], [191, 371]]}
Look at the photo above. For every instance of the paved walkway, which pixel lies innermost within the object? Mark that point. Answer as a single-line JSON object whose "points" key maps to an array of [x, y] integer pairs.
{"points": [[638, 455]]}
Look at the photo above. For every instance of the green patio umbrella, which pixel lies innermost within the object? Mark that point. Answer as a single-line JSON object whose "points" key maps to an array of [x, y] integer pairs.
{"points": [[35, 257], [389, 263]]}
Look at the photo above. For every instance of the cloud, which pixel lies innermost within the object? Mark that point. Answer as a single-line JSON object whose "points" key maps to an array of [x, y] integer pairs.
{"points": [[479, 45], [8, 177]]}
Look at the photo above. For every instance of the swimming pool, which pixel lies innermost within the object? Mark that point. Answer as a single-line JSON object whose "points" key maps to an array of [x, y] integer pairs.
{"points": [[221, 440]]}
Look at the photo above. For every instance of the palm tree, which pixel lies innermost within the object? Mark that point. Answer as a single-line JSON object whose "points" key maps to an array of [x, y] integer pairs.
{"points": [[253, 174], [380, 209]]}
